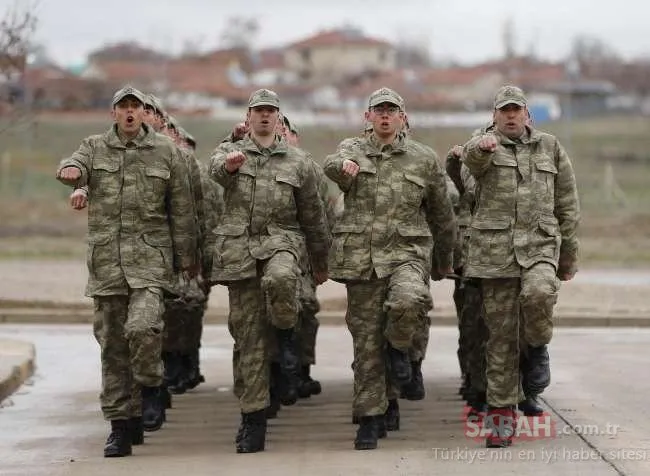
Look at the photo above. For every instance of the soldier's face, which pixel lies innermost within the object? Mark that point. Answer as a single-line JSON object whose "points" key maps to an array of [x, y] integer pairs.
{"points": [[129, 115], [387, 119], [263, 120], [511, 120], [149, 116]]}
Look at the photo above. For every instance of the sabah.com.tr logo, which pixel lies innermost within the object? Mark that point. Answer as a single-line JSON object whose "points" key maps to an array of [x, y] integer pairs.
{"points": [[479, 426]]}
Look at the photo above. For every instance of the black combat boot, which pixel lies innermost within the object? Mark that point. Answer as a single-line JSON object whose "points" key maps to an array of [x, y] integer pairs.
{"points": [[119, 440], [530, 406], [392, 415], [152, 409], [308, 386], [289, 368], [368, 432], [172, 377], [136, 429], [194, 370], [400, 366], [537, 369], [252, 433], [414, 390], [477, 404], [274, 404]]}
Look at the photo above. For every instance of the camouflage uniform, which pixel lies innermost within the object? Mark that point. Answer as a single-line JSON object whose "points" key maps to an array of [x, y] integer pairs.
{"points": [[140, 232], [523, 234], [381, 250], [272, 211], [184, 309], [467, 292]]}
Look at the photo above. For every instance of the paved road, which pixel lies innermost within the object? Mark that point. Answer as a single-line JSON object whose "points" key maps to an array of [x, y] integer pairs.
{"points": [[53, 426]]}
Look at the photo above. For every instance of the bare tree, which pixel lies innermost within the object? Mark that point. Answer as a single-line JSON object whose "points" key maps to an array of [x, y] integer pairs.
{"points": [[413, 49], [17, 27], [240, 33]]}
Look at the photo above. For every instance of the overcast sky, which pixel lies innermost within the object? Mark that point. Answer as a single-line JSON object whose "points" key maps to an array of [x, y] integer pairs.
{"points": [[465, 30]]}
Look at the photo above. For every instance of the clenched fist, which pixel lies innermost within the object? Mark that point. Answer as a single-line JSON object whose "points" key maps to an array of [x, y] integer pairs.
{"points": [[240, 130], [350, 168], [79, 199], [234, 160], [457, 151], [488, 143], [69, 174]]}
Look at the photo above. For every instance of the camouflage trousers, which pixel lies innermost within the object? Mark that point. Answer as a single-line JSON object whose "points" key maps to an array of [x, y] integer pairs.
{"points": [[256, 304], [418, 350], [382, 311], [129, 332], [473, 333], [308, 322], [509, 303]]}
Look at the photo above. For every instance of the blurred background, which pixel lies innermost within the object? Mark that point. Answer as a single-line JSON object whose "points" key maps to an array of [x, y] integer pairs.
{"points": [[585, 69]]}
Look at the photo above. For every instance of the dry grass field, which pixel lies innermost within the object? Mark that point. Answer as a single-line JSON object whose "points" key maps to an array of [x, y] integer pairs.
{"points": [[611, 158]]}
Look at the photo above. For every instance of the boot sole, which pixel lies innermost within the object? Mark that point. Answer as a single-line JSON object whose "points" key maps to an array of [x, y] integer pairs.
{"points": [[156, 427], [117, 454], [249, 450], [365, 446]]}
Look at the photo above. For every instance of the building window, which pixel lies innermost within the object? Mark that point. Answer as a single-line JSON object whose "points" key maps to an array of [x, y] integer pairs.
{"points": [[306, 55]]}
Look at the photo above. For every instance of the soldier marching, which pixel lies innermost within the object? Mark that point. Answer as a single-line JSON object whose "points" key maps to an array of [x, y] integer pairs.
{"points": [[382, 216]]}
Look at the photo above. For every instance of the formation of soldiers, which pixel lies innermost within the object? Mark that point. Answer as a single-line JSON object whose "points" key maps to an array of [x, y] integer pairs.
{"points": [[261, 218]]}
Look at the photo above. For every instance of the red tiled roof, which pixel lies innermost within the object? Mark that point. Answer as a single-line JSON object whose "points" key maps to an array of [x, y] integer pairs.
{"points": [[337, 37]]}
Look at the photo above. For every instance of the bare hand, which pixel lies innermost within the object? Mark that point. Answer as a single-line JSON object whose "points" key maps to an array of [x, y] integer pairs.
{"points": [[456, 151], [566, 276], [320, 277], [79, 199], [488, 143], [240, 130], [234, 160], [69, 174], [350, 168]]}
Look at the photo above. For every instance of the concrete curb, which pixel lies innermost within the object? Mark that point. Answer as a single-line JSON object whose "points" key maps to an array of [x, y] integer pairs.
{"points": [[77, 315], [17, 364]]}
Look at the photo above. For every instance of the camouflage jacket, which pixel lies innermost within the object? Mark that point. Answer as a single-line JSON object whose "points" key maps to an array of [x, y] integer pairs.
{"points": [[141, 228], [466, 186], [393, 209], [213, 210], [526, 207], [271, 204]]}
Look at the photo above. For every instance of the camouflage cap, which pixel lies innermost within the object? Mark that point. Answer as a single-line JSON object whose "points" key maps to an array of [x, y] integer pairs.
{"points": [[128, 91], [385, 95], [509, 95], [264, 97], [289, 125], [153, 101]]}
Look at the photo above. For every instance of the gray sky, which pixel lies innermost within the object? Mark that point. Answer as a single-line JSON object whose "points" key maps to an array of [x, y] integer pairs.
{"points": [[466, 30]]}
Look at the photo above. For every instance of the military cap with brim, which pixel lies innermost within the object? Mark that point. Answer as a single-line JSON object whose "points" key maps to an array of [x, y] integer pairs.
{"points": [[289, 125], [264, 97], [128, 91], [509, 95], [385, 95]]}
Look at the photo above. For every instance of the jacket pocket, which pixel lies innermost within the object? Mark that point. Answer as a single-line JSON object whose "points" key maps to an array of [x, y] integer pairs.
{"points": [[100, 255], [157, 256], [490, 241], [156, 181], [285, 186], [349, 239], [231, 245], [413, 189]]}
